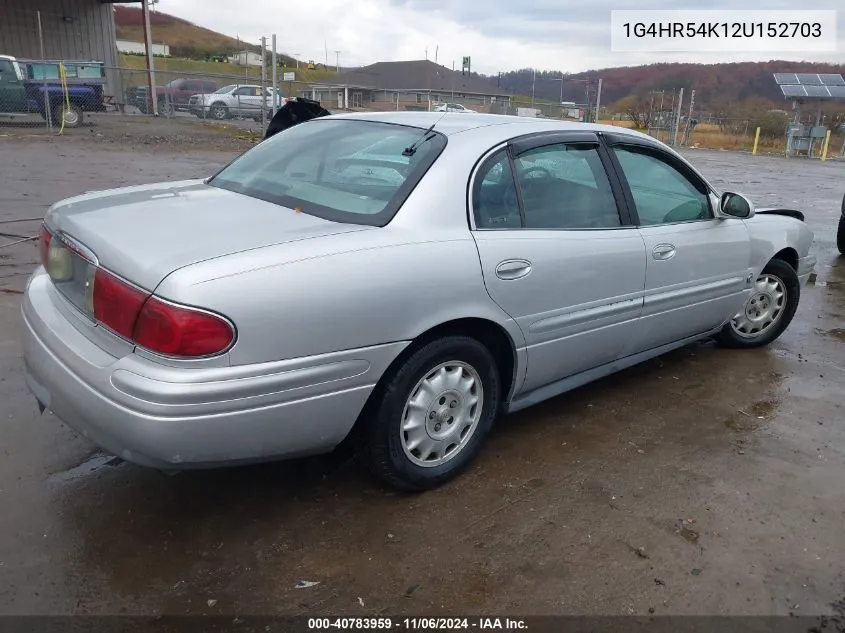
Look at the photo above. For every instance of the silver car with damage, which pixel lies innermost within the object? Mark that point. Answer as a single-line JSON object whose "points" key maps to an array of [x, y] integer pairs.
{"points": [[315, 291]]}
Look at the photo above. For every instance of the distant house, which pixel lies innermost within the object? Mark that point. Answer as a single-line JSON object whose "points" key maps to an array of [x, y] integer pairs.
{"points": [[408, 85], [125, 46], [246, 58]]}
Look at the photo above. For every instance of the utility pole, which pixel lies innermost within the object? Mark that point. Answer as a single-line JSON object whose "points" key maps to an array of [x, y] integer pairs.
{"points": [[48, 116], [533, 82], [678, 116], [598, 102], [337, 60], [436, 51], [326, 46], [151, 76]]}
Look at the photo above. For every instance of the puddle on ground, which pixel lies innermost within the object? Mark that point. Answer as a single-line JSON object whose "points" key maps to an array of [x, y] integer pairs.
{"points": [[683, 528], [837, 332], [753, 417], [92, 465]]}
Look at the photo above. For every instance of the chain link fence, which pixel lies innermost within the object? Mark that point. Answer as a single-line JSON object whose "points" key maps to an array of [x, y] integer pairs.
{"points": [[61, 95]]}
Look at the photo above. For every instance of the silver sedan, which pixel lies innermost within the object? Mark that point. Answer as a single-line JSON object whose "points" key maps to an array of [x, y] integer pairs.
{"points": [[396, 280]]}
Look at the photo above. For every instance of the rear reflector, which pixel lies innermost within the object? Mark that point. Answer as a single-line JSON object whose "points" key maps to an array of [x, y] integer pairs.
{"points": [[180, 331]]}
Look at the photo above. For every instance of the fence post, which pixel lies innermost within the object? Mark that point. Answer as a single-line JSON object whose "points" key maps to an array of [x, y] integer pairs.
{"points": [[276, 103], [826, 143], [678, 118], [264, 83], [756, 142]]}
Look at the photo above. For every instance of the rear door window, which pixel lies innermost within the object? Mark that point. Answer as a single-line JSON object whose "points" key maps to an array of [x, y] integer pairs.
{"points": [[565, 186]]}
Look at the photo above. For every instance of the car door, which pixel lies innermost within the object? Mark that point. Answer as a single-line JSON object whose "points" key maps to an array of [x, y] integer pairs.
{"points": [[698, 264], [558, 253], [246, 100], [12, 89]]}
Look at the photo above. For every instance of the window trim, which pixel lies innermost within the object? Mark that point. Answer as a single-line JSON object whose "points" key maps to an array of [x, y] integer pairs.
{"points": [[680, 166], [527, 142]]}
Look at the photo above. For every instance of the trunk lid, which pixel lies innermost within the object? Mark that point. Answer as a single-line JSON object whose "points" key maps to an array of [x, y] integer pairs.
{"points": [[144, 233]]}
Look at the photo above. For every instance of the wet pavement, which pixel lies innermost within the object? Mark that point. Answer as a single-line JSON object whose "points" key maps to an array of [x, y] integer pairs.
{"points": [[706, 481]]}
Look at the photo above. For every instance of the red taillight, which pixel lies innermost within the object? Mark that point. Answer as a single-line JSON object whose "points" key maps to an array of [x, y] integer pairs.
{"points": [[153, 323], [116, 303], [174, 330], [44, 237]]}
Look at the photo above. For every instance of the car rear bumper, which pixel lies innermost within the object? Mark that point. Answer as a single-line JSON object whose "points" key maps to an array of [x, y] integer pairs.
{"points": [[178, 418]]}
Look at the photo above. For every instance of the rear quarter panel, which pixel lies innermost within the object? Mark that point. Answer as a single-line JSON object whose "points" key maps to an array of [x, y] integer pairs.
{"points": [[341, 292]]}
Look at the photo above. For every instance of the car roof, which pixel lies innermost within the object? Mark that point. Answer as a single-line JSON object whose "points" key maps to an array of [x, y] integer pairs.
{"points": [[503, 125]]}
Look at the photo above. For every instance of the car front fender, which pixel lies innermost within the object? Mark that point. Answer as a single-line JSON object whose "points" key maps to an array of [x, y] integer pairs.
{"points": [[773, 232]]}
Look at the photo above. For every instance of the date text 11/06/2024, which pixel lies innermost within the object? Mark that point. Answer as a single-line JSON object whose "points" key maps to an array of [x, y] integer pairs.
{"points": [[416, 624]]}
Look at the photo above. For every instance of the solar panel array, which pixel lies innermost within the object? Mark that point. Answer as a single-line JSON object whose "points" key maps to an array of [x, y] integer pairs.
{"points": [[811, 85]]}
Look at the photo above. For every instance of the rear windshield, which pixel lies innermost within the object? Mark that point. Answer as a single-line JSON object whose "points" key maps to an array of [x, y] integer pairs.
{"points": [[337, 169]]}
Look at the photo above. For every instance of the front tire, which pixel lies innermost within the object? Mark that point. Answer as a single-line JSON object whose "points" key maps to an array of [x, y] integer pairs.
{"points": [[165, 108], [219, 112], [768, 311], [431, 417]]}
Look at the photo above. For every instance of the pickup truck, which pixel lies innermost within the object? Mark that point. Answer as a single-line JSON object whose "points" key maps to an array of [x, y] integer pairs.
{"points": [[23, 85], [172, 97]]}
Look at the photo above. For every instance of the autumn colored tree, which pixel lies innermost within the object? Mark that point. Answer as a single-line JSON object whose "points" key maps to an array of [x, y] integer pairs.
{"points": [[637, 108]]}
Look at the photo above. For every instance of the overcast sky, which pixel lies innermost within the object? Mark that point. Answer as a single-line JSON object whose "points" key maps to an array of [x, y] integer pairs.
{"points": [[500, 35]]}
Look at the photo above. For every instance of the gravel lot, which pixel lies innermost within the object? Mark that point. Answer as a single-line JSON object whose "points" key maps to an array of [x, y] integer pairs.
{"points": [[707, 481]]}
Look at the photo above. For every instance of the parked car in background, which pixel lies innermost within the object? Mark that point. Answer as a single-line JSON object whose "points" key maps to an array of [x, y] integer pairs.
{"points": [[452, 107], [236, 100], [171, 97], [294, 303], [23, 88]]}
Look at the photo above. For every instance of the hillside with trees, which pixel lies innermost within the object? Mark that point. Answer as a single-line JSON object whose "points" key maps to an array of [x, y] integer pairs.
{"points": [[724, 90], [738, 90], [184, 38]]}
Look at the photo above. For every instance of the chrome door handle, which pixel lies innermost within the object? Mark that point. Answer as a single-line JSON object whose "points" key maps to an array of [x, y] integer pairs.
{"points": [[513, 268], [663, 251]]}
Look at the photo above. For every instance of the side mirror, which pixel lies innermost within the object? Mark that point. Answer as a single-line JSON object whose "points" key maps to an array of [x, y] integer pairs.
{"points": [[736, 205]]}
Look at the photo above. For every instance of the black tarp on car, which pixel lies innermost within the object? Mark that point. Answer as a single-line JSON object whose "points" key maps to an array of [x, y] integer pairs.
{"points": [[294, 112]]}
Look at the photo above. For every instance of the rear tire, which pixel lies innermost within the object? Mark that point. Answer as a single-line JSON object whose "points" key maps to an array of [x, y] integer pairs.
{"points": [[219, 111], [71, 114], [431, 417], [840, 234], [768, 311]]}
